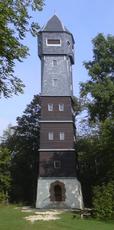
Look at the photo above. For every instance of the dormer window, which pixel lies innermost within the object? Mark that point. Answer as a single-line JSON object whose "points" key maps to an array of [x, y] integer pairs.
{"points": [[53, 42]]}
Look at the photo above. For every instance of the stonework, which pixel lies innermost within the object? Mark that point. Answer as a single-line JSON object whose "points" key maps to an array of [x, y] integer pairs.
{"points": [[73, 194]]}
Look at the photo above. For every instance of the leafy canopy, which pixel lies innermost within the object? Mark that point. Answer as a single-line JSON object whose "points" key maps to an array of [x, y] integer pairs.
{"points": [[24, 145], [14, 23], [99, 90]]}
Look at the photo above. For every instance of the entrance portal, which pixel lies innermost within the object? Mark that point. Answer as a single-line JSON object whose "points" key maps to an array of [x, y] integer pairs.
{"points": [[57, 191]]}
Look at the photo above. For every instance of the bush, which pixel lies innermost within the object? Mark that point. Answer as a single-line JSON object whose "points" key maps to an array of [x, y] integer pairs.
{"points": [[103, 201], [3, 197]]}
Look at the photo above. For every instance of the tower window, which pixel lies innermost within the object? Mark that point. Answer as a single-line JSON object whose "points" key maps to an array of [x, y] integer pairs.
{"points": [[62, 136], [53, 42], [68, 43], [61, 107], [50, 136], [54, 82], [54, 62], [57, 164], [50, 107]]}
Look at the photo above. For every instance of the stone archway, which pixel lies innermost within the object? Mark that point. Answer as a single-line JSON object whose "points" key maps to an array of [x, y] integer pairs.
{"points": [[57, 191]]}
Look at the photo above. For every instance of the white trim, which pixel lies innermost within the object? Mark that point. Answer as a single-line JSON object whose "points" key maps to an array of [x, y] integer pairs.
{"points": [[50, 136], [55, 121], [61, 107], [43, 150], [57, 162], [50, 107], [62, 136], [47, 44]]}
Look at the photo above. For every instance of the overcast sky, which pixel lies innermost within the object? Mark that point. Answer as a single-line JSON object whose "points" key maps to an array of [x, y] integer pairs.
{"points": [[85, 19]]}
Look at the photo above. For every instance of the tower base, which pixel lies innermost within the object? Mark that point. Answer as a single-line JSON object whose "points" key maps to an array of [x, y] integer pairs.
{"points": [[60, 193]]}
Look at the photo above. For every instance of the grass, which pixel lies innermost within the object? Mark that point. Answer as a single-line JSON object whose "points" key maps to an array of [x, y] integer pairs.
{"points": [[13, 219]]}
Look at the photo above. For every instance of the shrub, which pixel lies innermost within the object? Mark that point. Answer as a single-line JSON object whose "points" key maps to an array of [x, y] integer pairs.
{"points": [[103, 201], [3, 197]]}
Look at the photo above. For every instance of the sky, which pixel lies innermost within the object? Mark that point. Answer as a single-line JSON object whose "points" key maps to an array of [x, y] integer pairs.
{"points": [[85, 19]]}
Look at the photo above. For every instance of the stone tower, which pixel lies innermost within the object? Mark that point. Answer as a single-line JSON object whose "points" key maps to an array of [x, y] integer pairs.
{"points": [[58, 186]]}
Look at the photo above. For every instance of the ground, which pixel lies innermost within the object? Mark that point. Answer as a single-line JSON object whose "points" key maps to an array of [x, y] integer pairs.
{"points": [[19, 218]]}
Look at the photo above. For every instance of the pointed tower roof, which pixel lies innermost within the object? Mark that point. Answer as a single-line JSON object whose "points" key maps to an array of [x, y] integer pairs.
{"points": [[54, 25]]}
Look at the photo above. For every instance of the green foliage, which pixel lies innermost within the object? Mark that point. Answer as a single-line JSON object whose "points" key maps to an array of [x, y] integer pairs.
{"points": [[76, 105], [5, 177], [99, 90], [96, 158], [14, 24], [24, 144], [103, 201], [96, 151]]}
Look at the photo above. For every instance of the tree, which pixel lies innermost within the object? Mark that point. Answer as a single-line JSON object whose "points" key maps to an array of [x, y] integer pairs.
{"points": [[96, 151], [24, 145], [5, 177], [99, 90], [14, 24]]}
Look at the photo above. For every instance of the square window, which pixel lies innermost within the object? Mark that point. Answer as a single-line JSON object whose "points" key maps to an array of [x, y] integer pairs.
{"points": [[54, 62], [53, 42], [61, 107], [62, 136], [50, 136], [54, 82], [50, 107], [57, 164]]}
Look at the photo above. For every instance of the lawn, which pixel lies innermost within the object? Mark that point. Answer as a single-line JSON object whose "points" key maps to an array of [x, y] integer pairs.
{"points": [[12, 218]]}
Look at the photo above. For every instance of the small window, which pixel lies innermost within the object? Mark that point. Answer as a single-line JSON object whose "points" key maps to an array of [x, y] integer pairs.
{"points": [[53, 42], [68, 43], [50, 107], [54, 82], [50, 136], [61, 107], [57, 164], [62, 136], [54, 62]]}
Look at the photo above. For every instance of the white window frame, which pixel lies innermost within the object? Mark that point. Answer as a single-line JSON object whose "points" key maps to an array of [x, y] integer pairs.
{"points": [[62, 136], [61, 107], [47, 44], [55, 164], [50, 107], [50, 136]]}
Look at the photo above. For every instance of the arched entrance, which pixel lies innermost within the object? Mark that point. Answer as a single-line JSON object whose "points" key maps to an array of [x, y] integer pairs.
{"points": [[57, 191]]}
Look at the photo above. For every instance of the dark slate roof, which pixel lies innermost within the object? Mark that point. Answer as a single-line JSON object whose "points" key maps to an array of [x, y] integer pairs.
{"points": [[54, 24]]}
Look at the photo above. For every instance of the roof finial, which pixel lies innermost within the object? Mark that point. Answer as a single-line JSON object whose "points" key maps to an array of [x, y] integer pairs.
{"points": [[54, 11]]}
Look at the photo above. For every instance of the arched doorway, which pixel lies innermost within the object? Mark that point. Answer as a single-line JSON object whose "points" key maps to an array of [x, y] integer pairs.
{"points": [[57, 191]]}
